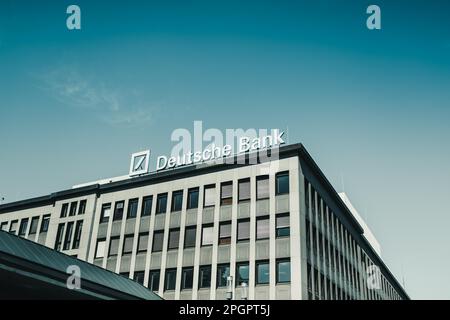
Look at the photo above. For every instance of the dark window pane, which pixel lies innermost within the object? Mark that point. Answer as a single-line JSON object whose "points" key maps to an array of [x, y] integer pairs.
{"points": [[189, 237], [68, 237], [204, 277], [223, 271], [59, 236], [153, 280], [82, 208], [128, 244], [132, 208], [170, 280], [192, 198], [210, 196], [13, 226], [177, 201], [73, 209], [78, 231], [158, 238], [262, 272], [139, 277], [187, 276], [262, 228], [174, 238], [4, 226], [242, 273], [106, 213], [143, 242], [282, 183], [147, 206], [226, 193], [118, 210], [262, 187], [114, 246], [225, 233], [282, 225], [34, 225], [45, 223], [161, 203], [243, 230], [23, 227], [64, 209], [244, 189], [207, 235], [283, 271]]}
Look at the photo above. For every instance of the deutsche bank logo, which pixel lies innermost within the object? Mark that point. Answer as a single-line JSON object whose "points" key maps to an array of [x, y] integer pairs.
{"points": [[139, 163]]}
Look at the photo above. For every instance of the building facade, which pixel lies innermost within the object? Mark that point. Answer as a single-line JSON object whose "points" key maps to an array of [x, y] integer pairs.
{"points": [[276, 225]]}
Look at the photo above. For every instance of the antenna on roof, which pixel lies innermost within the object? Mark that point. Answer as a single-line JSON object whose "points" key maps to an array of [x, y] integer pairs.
{"points": [[2, 199], [287, 131]]}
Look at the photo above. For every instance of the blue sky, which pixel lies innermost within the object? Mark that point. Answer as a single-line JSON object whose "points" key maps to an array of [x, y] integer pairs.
{"points": [[372, 107]]}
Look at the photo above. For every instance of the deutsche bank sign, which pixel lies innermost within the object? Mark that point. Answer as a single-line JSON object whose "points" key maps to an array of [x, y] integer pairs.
{"points": [[140, 160]]}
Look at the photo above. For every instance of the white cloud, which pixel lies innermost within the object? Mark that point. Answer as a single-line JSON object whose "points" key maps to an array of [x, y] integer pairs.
{"points": [[108, 104]]}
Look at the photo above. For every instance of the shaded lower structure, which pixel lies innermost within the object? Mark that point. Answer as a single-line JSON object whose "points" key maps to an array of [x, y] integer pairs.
{"points": [[32, 271]]}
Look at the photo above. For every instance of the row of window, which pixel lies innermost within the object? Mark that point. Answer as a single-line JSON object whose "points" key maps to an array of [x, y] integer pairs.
{"points": [[262, 275], [23, 226], [70, 239], [282, 229], [209, 197], [71, 210]]}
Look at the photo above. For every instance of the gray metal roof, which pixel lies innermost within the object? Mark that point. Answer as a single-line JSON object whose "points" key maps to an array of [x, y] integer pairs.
{"points": [[39, 255]]}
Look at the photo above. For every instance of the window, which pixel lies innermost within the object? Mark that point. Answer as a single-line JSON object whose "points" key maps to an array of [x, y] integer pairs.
{"points": [[262, 228], [153, 280], [226, 193], [174, 238], [170, 280], [209, 196], [204, 277], [78, 231], [282, 183], [64, 209], [158, 238], [242, 273], [223, 272], [114, 246], [100, 250], [128, 244], [243, 230], [262, 272], [192, 198], [139, 277], [283, 270], [4, 226], [262, 187], [118, 211], [187, 277], [177, 201], [23, 227], [13, 226], [161, 203], [282, 225], [68, 237], [73, 209], [244, 190], [34, 225], [106, 213], [59, 236], [45, 223], [147, 206], [225, 232], [82, 207], [207, 235], [142, 242], [132, 208], [189, 237]]}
